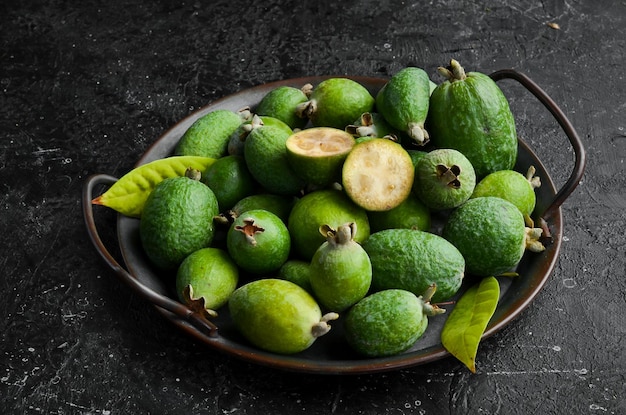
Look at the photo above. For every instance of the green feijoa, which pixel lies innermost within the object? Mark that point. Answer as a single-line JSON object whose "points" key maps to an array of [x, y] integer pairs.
{"points": [[491, 234], [177, 220], [416, 155], [413, 260], [277, 315], [340, 272], [512, 186], [469, 113], [372, 124], [468, 320], [265, 153], [206, 278], [298, 272], [230, 180], [128, 195], [208, 136], [279, 205], [336, 102], [258, 241], [404, 101], [444, 179], [410, 214], [323, 207], [237, 140], [281, 103], [388, 322]]}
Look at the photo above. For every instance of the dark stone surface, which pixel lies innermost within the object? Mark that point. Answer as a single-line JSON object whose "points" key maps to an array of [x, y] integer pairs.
{"points": [[87, 86]]}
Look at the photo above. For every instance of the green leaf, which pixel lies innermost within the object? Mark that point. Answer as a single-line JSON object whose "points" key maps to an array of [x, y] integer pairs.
{"points": [[468, 320], [128, 195]]}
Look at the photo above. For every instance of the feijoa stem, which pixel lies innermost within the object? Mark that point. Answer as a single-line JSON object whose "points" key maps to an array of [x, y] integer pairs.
{"points": [[453, 72], [342, 235], [193, 174], [535, 181], [428, 308], [322, 327], [532, 242]]}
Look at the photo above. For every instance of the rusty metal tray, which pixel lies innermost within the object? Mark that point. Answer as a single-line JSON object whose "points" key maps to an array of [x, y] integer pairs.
{"points": [[330, 355]]}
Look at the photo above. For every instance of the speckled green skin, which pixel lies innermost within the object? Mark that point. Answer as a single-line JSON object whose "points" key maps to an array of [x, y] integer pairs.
{"points": [[177, 220], [211, 273], [208, 136], [489, 232], [323, 207], [473, 116], [270, 249], [339, 102], [412, 260], [266, 157], [340, 274], [385, 323], [433, 190], [410, 214], [275, 315], [404, 99], [281, 103], [509, 185], [298, 272], [279, 205], [230, 180]]}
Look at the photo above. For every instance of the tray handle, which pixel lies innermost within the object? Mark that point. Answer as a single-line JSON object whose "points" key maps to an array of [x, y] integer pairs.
{"points": [[568, 128], [179, 309]]}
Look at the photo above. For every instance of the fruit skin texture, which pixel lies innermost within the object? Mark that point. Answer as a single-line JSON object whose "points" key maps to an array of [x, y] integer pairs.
{"points": [[177, 220], [489, 232], [279, 205], [258, 241], [281, 103], [444, 179], [412, 260], [208, 136], [275, 315], [230, 180], [471, 114], [410, 214], [323, 207], [337, 102], [340, 272], [212, 275], [404, 102], [509, 185], [266, 157], [385, 323]]}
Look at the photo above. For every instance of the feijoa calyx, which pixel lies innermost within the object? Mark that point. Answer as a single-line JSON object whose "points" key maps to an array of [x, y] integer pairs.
{"points": [[258, 241], [340, 272], [388, 322], [277, 315], [469, 113], [444, 179]]}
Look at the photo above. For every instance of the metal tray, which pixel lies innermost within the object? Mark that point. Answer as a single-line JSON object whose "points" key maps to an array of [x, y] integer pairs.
{"points": [[330, 354]]}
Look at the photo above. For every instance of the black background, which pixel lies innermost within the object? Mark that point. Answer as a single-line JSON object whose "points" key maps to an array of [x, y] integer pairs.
{"points": [[87, 86]]}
